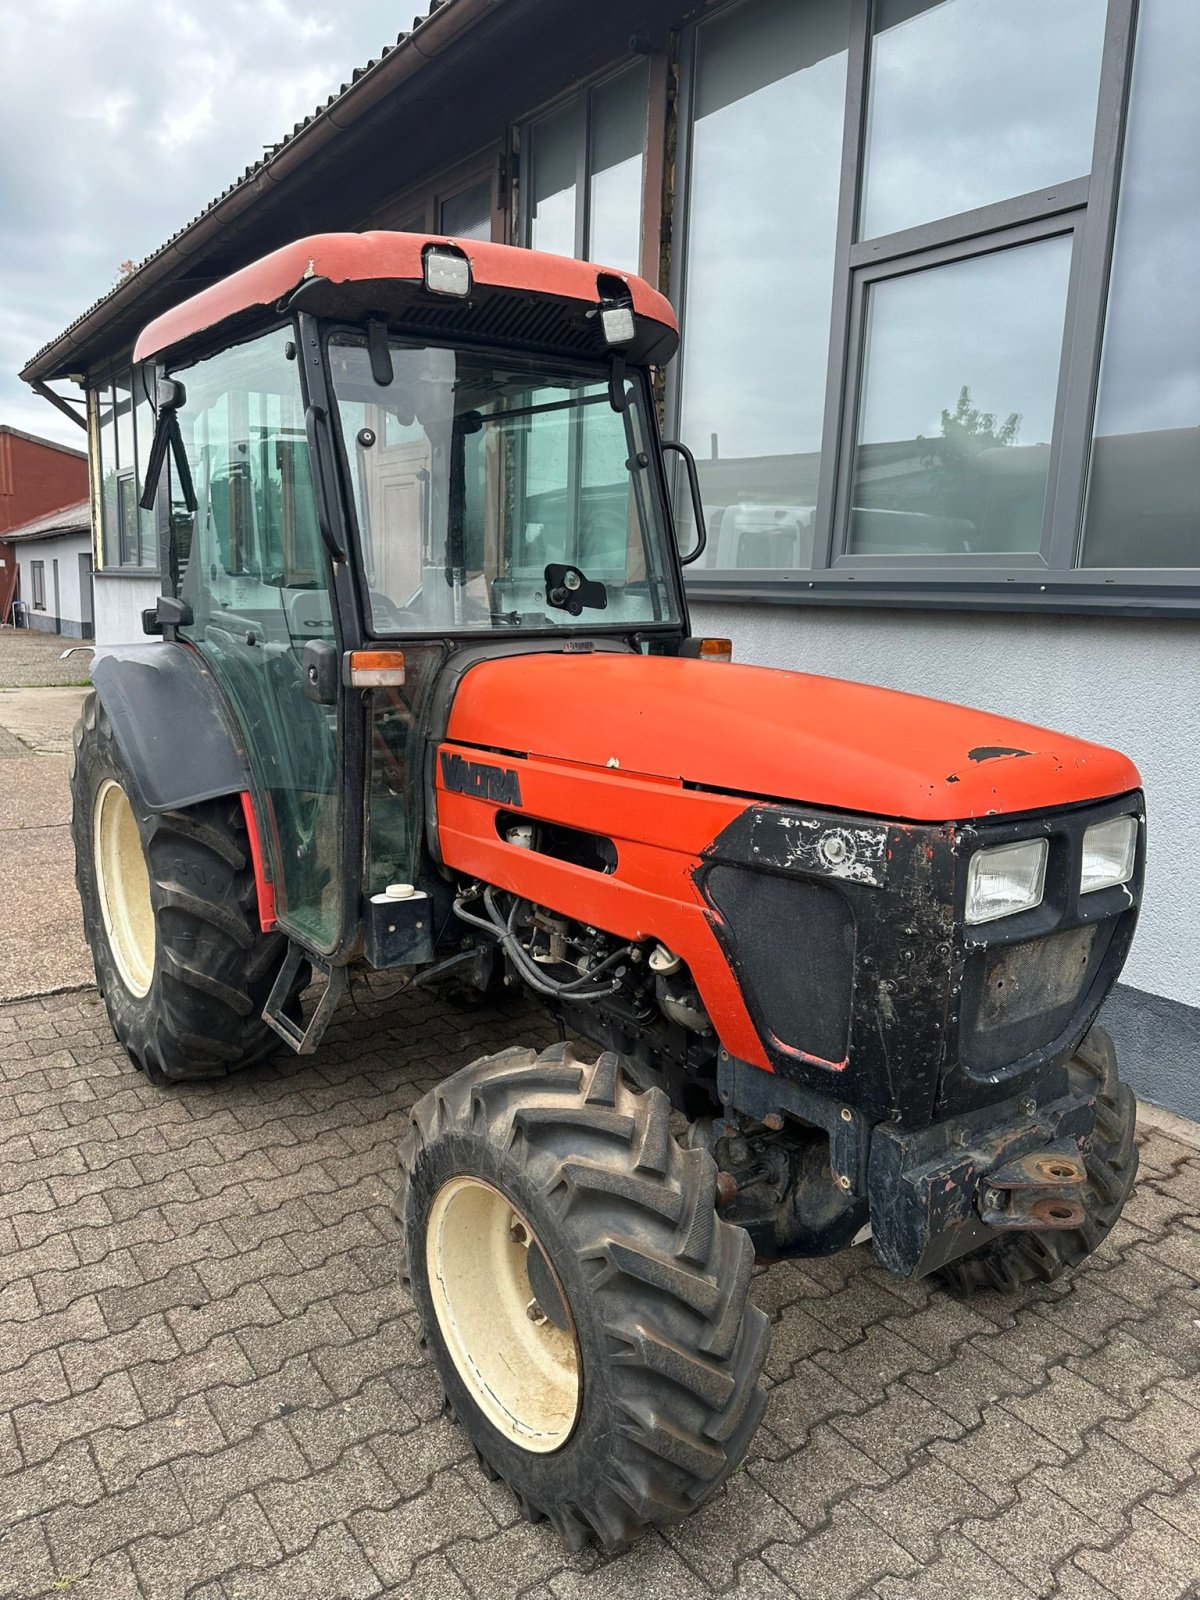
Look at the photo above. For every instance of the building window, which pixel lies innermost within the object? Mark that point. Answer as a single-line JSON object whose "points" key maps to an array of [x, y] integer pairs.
{"points": [[122, 434], [756, 285], [37, 582], [893, 235], [584, 169], [1143, 503]]}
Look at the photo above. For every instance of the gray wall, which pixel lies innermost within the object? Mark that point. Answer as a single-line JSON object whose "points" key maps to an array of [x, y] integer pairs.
{"points": [[1129, 683], [119, 606]]}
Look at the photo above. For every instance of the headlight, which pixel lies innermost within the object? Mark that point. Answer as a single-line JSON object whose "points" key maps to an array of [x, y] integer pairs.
{"points": [[1005, 879], [1108, 854]]}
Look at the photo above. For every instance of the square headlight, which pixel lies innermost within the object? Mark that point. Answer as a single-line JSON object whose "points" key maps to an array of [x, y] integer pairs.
{"points": [[1109, 851], [1006, 879]]}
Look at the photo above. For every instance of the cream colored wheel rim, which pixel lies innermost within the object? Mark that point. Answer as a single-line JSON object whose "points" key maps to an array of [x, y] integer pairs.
{"points": [[522, 1371], [124, 885]]}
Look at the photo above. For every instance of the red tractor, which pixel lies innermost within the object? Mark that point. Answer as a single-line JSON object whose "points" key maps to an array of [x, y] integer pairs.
{"points": [[426, 699]]}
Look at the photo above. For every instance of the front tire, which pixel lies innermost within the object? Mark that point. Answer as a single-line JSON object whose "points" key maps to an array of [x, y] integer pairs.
{"points": [[170, 913], [584, 1304], [1017, 1258]]}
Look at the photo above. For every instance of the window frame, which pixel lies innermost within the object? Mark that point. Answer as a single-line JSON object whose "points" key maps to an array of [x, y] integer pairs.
{"points": [[102, 390], [37, 585], [1085, 207]]}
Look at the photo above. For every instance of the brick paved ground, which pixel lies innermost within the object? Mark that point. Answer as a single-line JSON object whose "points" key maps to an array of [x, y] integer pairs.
{"points": [[29, 659], [211, 1384]]}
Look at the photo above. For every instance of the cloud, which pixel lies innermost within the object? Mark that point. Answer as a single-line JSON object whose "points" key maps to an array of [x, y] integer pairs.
{"points": [[120, 121]]}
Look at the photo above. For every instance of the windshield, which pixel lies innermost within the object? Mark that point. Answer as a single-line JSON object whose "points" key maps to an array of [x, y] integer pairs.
{"points": [[499, 492]]}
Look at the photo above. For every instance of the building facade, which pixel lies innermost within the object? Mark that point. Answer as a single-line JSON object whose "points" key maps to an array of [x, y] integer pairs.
{"points": [[53, 559], [934, 264]]}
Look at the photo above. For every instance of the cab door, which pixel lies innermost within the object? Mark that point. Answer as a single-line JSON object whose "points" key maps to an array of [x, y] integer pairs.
{"points": [[256, 576]]}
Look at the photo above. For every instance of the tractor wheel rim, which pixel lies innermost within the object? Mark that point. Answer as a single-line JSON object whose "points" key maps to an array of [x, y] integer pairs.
{"points": [[522, 1370], [124, 884]]}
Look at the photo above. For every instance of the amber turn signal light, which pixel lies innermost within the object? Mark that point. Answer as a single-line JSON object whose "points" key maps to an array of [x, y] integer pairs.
{"points": [[376, 669], [715, 649]]}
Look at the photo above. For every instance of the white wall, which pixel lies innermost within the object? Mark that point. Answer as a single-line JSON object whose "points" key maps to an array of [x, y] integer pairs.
{"points": [[66, 552], [1128, 683], [119, 606]]}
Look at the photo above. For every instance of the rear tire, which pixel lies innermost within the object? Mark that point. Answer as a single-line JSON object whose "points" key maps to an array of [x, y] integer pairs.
{"points": [[170, 912], [626, 1261], [1014, 1259]]}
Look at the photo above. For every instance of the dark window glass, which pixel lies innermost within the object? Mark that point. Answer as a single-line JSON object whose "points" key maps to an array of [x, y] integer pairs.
{"points": [[143, 417], [37, 578], [258, 592], [481, 473], [611, 118], [766, 151], [1143, 506], [555, 157], [974, 101], [618, 143], [959, 382], [105, 471], [468, 214]]}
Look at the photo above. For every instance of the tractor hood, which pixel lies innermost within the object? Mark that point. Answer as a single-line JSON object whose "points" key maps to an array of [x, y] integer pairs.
{"points": [[782, 735]]}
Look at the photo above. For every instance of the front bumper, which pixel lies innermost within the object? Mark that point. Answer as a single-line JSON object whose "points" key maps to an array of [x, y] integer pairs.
{"points": [[929, 1191]]}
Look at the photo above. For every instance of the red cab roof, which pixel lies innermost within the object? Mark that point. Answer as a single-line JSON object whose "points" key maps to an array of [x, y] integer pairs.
{"points": [[361, 258]]}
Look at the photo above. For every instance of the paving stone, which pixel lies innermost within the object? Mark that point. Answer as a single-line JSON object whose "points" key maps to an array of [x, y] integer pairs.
{"points": [[42, 1427], [333, 1565], [504, 1564], [69, 1475], [347, 1367], [1104, 1480], [737, 1519], [240, 1537], [152, 1506], [897, 1427], [998, 1453], [195, 1324], [898, 1417], [970, 1382], [811, 1396], [267, 1348], [392, 1538], [241, 1408], [123, 1454], [1153, 1561], [162, 1384], [1165, 1431], [806, 1482], [840, 1560], [87, 1361], [919, 1507], [1066, 1407], [57, 1290], [962, 1571], [356, 1482], [26, 1564]]}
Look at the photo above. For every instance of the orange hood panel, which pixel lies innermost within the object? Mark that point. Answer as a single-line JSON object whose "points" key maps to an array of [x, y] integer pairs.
{"points": [[790, 736]]}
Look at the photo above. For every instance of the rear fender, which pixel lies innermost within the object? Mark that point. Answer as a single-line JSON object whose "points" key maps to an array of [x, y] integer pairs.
{"points": [[170, 722]]}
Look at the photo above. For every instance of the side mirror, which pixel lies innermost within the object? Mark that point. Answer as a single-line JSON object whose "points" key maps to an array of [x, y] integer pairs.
{"points": [[693, 476]]}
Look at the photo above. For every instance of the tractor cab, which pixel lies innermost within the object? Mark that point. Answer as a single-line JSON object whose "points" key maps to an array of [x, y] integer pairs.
{"points": [[381, 450]]}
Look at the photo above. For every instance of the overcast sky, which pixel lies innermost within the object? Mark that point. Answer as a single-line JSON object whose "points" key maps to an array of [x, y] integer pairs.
{"points": [[121, 119]]}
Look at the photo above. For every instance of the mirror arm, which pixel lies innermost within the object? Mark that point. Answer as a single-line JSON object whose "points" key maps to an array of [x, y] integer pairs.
{"points": [[689, 462]]}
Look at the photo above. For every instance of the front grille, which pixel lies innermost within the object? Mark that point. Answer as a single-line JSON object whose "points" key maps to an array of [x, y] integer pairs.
{"points": [[792, 946]]}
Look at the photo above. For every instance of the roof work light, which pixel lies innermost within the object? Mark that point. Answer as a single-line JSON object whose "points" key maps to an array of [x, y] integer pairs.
{"points": [[447, 271]]}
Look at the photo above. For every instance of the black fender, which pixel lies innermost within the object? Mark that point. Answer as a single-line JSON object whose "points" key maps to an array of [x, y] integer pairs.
{"points": [[171, 724]]}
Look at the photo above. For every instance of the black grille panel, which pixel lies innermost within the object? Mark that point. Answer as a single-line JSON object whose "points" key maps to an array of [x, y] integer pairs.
{"points": [[791, 943]]}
